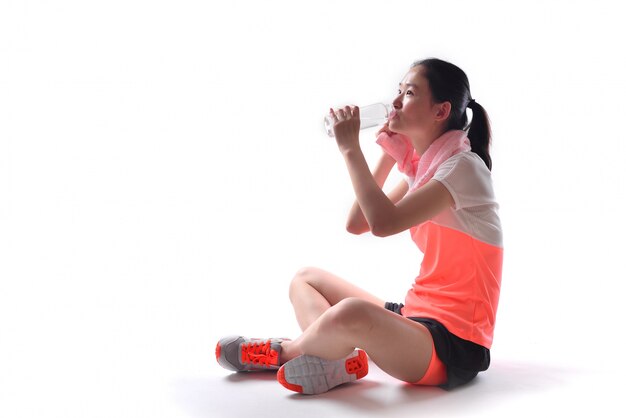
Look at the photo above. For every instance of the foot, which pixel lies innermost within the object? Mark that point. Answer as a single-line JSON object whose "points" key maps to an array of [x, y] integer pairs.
{"points": [[242, 354], [312, 375]]}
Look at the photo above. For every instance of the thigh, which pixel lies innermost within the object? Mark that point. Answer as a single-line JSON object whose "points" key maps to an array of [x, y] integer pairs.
{"points": [[401, 347], [334, 288]]}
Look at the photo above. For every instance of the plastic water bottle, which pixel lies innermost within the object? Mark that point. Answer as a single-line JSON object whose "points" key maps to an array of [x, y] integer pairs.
{"points": [[371, 115]]}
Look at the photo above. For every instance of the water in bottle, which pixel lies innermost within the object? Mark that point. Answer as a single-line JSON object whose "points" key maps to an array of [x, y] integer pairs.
{"points": [[371, 115]]}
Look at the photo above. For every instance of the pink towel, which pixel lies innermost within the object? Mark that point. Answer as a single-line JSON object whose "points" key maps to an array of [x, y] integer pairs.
{"points": [[421, 169]]}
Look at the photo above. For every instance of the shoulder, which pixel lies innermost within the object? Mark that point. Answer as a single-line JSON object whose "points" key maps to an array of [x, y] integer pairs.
{"points": [[467, 178], [462, 168], [464, 163]]}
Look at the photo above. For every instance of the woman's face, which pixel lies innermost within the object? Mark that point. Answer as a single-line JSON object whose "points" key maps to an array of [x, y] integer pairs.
{"points": [[414, 112]]}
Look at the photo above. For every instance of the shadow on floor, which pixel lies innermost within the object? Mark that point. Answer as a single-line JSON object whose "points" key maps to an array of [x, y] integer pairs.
{"points": [[246, 394]]}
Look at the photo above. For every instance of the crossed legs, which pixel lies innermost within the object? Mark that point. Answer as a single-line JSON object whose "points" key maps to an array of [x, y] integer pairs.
{"points": [[336, 317]]}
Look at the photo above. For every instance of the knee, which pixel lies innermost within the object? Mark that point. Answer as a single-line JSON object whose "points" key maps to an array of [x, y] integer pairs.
{"points": [[351, 316], [304, 276]]}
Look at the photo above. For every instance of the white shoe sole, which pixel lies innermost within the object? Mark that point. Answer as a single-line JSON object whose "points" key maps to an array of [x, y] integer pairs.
{"points": [[312, 375]]}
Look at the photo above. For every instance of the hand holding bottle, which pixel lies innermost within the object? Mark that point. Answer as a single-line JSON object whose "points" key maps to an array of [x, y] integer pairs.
{"points": [[371, 115], [346, 126]]}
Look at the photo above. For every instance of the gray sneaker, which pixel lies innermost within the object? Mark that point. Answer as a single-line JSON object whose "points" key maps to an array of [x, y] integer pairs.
{"points": [[312, 375], [241, 354]]}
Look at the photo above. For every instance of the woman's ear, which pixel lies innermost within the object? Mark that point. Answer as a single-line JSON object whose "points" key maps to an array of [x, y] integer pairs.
{"points": [[444, 111]]}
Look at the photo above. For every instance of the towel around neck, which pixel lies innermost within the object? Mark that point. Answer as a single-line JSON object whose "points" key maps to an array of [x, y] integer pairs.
{"points": [[420, 169]]}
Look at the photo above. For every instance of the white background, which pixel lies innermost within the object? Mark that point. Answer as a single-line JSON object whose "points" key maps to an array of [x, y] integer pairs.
{"points": [[164, 173]]}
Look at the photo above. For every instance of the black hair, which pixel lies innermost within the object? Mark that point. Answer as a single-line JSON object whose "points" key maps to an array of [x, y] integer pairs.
{"points": [[448, 83]]}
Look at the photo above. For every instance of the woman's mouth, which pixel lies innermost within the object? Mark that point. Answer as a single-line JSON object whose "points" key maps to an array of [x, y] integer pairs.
{"points": [[392, 114]]}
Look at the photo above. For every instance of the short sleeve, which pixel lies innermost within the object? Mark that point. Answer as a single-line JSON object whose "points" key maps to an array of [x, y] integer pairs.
{"points": [[468, 180]]}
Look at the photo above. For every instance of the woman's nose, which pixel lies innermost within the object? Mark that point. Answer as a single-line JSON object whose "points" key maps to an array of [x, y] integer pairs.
{"points": [[397, 103]]}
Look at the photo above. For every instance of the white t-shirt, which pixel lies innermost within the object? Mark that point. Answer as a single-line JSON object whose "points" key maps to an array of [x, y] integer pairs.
{"points": [[475, 210]]}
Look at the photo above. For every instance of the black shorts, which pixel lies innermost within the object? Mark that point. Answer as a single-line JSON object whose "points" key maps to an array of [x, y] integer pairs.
{"points": [[463, 358]]}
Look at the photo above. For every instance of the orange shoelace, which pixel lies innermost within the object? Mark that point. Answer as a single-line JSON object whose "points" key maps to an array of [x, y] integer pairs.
{"points": [[259, 353]]}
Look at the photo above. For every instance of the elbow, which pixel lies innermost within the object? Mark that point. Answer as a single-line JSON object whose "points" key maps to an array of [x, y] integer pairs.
{"points": [[355, 229], [381, 230]]}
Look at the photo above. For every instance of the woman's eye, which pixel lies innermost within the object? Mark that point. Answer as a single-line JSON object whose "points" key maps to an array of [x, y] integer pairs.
{"points": [[409, 92]]}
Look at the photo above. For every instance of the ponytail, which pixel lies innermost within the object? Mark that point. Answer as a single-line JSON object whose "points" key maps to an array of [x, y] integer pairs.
{"points": [[479, 132], [448, 83]]}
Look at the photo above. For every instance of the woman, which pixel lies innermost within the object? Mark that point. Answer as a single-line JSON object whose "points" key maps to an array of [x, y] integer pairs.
{"points": [[442, 333]]}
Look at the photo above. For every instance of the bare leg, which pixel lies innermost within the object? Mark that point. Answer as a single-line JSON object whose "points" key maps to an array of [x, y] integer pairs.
{"points": [[313, 291], [399, 346]]}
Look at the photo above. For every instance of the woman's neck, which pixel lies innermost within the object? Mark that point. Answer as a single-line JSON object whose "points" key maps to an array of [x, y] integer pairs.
{"points": [[422, 141]]}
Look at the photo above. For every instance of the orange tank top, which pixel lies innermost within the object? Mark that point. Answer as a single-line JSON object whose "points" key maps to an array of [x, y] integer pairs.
{"points": [[460, 275]]}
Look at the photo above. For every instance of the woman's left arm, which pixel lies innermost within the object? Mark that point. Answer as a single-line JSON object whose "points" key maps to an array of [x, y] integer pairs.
{"points": [[383, 216]]}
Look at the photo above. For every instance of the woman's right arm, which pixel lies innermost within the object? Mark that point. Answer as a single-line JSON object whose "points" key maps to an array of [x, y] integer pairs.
{"points": [[357, 224]]}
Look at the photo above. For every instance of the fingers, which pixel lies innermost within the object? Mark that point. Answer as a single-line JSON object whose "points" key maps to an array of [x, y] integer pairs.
{"points": [[347, 112], [385, 129]]}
